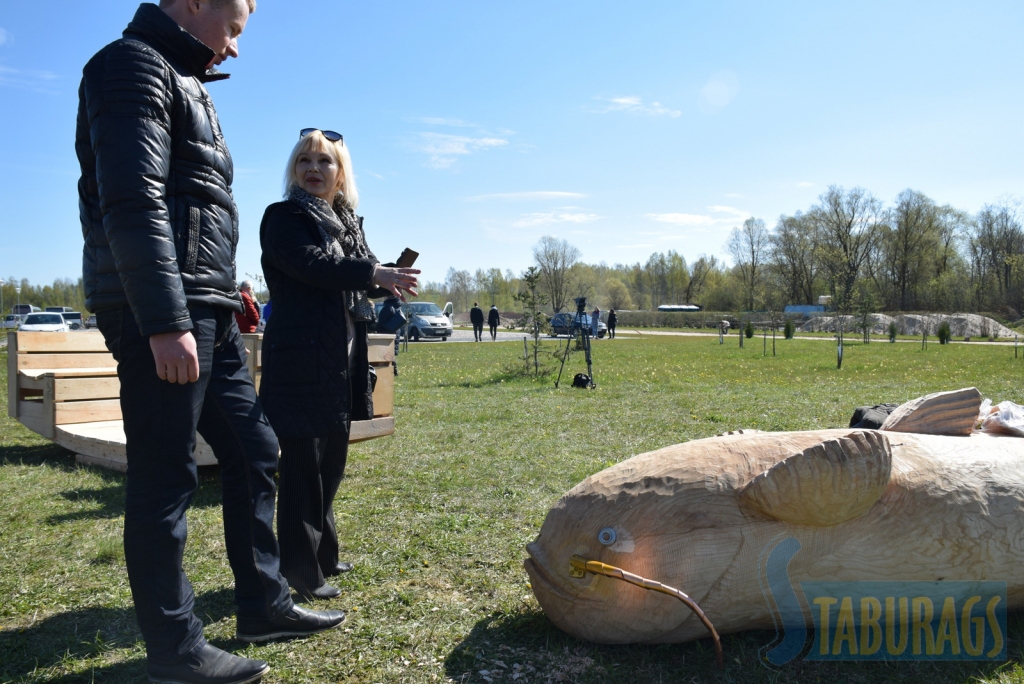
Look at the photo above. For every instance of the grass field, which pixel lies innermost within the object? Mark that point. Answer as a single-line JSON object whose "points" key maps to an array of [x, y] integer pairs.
{"points": [[436, 517]]}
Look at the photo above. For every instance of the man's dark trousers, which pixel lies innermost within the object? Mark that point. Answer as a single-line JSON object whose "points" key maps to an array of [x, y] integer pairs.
{"points": [[160, 422]]}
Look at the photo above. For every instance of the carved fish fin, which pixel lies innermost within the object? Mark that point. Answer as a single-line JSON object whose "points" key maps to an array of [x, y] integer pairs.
{"points": [[942, 413], [825, 484]]}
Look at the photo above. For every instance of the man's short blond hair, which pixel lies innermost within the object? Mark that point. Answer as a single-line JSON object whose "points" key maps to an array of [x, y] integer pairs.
{"points": [[216, 3]]}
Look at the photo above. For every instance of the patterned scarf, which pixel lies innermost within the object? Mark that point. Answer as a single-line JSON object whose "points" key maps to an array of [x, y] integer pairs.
{"points": [[342, 234]]}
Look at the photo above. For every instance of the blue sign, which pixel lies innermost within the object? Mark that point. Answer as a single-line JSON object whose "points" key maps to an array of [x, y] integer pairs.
{"points": [[883, 619]]}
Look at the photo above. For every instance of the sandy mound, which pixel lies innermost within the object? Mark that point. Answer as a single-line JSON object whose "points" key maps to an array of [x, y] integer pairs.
{"points": [[961, 325]]}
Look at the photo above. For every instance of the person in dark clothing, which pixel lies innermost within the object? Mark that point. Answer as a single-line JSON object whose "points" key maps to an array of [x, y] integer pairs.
{"points": [[249, 319], [612, 320], [316, 374], [493, 321], [160, 229], [476, 317]]}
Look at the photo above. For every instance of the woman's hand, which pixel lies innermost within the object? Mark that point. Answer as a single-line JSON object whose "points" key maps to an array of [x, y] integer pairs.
{"points": [[396, 280]]}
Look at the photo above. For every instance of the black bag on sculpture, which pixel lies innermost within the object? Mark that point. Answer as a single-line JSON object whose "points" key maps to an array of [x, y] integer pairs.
{"points": [[581, 380], [390, 319]]}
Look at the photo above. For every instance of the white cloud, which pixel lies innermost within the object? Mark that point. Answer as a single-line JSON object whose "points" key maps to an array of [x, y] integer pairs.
{"points": [[548, 217], [444, 148], [34, 80], [717, 214], [535, 195], [441, 121], [720, 90], [635, 105], [4, 36], [805, 184]]}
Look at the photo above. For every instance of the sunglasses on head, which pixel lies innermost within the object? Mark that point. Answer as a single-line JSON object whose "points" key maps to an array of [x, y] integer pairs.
{"points": [[330, 135]]}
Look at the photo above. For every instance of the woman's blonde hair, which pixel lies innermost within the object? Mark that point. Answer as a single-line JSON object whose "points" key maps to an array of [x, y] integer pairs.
{"points": [[316, 142]]}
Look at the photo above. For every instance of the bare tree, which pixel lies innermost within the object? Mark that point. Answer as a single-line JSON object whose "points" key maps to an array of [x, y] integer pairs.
{"points": [[846, 223], [555, 258], [459, 284], [906, 243], [699, 276], [749, 247], [794, 257]]}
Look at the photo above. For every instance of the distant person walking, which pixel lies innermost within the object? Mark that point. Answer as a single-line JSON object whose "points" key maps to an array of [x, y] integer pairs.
{"points": [[612, 320], [493, 320], [249, 318], [476, 317], [595, 321]]}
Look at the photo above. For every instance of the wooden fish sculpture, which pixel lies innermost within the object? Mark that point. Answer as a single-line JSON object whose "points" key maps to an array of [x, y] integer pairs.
{"points": [[863, 505]]}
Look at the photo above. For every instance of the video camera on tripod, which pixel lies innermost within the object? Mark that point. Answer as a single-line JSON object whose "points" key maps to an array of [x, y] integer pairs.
{"points": [[580, 323]]}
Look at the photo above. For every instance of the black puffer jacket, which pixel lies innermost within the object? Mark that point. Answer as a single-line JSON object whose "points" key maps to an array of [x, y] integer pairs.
{"points": [[159, 221], [306, 388]]}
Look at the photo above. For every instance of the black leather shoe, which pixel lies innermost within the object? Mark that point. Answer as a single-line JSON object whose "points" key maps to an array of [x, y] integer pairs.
{"points": [[324, 591], [295, 622], [208, 664], [343, 566]]}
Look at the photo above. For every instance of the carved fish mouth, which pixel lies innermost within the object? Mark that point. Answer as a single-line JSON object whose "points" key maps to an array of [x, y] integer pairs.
{"points": [[541, 577]]}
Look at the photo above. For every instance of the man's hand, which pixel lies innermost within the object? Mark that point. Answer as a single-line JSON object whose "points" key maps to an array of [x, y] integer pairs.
{"points": [[175, 356]]}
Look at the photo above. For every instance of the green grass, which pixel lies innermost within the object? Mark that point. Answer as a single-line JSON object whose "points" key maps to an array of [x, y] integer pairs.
{"points": [[436, 517]]}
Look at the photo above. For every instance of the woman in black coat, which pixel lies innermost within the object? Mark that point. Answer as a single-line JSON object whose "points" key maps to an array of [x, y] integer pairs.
{"points": [[316, 376]]}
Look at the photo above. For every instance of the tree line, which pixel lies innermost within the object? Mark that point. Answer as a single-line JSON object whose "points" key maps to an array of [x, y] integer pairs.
{"points": [[63, 292], [911, 255]]}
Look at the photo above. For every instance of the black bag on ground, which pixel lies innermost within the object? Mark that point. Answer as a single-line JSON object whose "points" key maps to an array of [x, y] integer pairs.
{"points": [[581, 380], [390, 319], [871, 417]]}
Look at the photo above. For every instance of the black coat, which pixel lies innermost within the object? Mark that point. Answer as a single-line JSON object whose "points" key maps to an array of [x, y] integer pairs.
{"points": [[493, 317], [158, 217], [307, 389], [476, 315]]}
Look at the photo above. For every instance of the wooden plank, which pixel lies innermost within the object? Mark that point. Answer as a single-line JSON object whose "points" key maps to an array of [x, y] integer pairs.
{"points": [[12, 374], [384, 392], [118, 464], [86, 411], [63, 361], [381, 349], [68, 372], [77, 389], [31, 409], [363, 430], [40, 426], [39, 342]]}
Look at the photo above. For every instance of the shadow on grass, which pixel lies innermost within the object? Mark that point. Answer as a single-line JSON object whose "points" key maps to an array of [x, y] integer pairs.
{"points": [[90, 633], [527, 642], [110, 498]]}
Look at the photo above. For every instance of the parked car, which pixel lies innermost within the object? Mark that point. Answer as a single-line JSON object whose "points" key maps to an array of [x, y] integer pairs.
{"points": [[426, 320], [24, 309], [73, 319], [44, 322], [565, 323], [59, 309], [12, 320], [91, 321]]}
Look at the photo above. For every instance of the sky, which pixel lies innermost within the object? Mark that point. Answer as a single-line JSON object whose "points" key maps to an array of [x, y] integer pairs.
{"points": [[476, 128]]}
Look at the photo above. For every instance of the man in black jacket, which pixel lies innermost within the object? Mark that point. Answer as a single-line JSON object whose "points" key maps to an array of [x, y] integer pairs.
{"points": [[493, 321], [160, 228], [476, 317]]}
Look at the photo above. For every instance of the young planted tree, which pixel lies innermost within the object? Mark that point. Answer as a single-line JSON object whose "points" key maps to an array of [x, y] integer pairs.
{"points": [[533, 302]]}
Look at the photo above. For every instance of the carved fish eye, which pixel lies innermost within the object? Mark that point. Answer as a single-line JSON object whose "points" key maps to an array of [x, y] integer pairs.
{"points": [[606, 536]]}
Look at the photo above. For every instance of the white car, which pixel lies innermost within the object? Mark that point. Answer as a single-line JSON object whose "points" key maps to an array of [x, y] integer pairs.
{"points": [[12, 321], [44, 322], [427, 320]]}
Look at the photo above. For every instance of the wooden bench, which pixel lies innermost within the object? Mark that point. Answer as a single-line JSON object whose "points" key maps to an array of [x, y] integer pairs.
{"points": [[64, 386]]}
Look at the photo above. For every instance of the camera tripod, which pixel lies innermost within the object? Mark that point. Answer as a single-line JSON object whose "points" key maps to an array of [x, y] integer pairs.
{"points": [[580, 319]]}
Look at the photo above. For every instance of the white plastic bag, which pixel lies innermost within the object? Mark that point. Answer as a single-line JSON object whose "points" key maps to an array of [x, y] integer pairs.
{"points": [[1006, 418]]}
